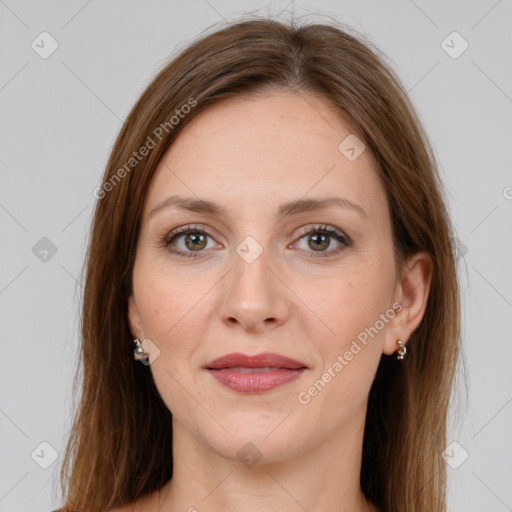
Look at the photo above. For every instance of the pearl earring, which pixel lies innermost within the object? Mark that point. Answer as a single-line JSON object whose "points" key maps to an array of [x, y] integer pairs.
{"points": [[139, 354], [401, 349]]}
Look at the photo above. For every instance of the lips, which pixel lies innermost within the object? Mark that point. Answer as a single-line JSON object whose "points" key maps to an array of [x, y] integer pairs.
{"points": [[255, 374], [267, 360]]}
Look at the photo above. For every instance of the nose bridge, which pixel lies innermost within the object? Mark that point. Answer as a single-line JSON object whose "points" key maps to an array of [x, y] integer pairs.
{"points": [[252, 294], [251, 277]]}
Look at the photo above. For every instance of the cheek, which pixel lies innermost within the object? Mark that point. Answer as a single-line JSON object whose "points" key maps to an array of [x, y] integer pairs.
{"points": [[351, 353], [351, 301], [351, 307], [175, 314], [169, 316], [163, 298]]}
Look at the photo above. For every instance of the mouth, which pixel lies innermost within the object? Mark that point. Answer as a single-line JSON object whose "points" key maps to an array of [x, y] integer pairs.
{"points": [[260, 361], [255, 374], [243, 369]]}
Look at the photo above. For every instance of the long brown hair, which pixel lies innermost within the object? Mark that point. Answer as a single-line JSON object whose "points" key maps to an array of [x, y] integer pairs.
{"points": [[120, 443]]}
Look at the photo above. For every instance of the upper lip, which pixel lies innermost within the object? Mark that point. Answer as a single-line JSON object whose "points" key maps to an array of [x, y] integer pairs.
{"points": [[237, 359]]}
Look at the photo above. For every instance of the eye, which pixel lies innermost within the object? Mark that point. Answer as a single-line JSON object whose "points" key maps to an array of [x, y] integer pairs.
{"points": [[319, 239], [194, 241]]}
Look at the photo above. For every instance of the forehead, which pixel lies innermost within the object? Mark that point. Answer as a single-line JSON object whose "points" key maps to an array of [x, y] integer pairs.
{"points": [[244, 126], [256, 149]]}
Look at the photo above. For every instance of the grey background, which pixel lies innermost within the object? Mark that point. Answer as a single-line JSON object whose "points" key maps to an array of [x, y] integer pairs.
{"points": [[60, 116]]}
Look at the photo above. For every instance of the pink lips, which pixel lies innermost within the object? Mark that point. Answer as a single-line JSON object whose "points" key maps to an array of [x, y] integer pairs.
{"points": [[255, 374]]}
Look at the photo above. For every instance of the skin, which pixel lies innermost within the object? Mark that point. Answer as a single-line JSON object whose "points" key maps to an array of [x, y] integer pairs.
{"points": [[250, 155]]}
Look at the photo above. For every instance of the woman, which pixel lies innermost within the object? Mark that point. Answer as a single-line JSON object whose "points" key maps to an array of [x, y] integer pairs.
{"points": [[271, 312]]}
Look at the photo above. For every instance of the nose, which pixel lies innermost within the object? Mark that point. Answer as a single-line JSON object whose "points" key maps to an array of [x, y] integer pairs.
{"points": [[254, 297]]}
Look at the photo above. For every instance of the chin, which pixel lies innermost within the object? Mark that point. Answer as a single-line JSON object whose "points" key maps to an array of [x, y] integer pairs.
{"points": [[251, 446]]}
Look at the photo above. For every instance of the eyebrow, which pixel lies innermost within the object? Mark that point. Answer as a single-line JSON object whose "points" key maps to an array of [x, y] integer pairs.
{"points": [[286, 209]]}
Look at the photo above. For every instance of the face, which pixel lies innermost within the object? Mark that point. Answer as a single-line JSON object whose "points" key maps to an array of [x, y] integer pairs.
{"points": [[256, 277]]}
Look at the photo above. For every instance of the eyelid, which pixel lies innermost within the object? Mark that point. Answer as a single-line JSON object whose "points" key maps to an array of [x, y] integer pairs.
{"points": [[322, 227], [201, 228]]}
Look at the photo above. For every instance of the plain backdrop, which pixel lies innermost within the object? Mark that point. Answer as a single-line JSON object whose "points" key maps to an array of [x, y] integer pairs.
{"points": [[60, 114]]}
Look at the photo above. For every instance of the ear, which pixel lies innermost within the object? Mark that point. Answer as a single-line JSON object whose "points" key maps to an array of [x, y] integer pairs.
{"points": [[411, 293], [133, 317]]}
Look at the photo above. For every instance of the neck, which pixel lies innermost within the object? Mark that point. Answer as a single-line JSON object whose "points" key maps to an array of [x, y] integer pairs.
{"points": [[323, 478]]}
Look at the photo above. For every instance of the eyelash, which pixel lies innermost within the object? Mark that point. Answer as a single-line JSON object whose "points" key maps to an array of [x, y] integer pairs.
{"points": [[168, 239]]}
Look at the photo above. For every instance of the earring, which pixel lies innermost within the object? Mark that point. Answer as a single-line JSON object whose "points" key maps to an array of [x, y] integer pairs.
{"points": [[139, 354], [401, 349]]}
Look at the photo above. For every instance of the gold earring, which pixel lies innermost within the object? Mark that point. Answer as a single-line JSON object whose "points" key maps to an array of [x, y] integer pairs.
{"points": [[401, 349]]}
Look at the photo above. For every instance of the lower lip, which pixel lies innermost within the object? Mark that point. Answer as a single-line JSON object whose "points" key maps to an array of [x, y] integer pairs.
{"points": [[255, 382]]}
